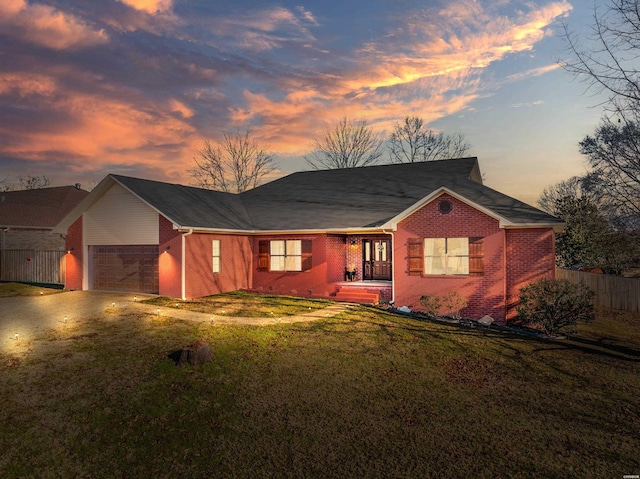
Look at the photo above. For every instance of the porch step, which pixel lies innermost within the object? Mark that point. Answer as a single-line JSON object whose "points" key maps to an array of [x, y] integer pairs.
{"points": [[358, 295]]}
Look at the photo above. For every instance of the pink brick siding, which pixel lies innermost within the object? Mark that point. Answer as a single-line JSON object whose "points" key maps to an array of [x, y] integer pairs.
{"points": [[512, 258], [530, 256], [235, 268], [304, 283], [170, 258], [485, 294], [74, 259]]}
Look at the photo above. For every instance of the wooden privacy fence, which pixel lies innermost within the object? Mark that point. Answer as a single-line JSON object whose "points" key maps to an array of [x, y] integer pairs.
{"points": [[30, 266], [615, 292]]}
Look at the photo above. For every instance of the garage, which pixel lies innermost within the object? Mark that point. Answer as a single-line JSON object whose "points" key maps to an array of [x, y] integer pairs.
{"points": [[131, 268]]}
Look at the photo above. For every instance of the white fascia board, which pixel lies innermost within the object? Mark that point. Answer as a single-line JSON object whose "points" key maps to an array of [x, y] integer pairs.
{"points": [[195, 229], [22, 227], [557, 227], [392, 224]]}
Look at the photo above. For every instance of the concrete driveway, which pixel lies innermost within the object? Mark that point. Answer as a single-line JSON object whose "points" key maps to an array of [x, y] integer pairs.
{"points": [[33, 315]]}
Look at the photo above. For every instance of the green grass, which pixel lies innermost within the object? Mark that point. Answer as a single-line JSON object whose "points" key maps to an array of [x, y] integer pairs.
{"points": [[364, 394], [243, 304], [21, 289]]}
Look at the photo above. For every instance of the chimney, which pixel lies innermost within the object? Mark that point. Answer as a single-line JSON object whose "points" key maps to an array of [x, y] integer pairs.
{"points": [[77, 185]]}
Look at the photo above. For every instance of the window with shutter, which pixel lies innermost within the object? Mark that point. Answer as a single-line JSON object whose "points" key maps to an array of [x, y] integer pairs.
{"points": [[284, 255]]}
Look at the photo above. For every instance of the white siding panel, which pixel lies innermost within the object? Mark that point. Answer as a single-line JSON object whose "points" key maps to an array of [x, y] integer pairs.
{"points": [[120, 218]]}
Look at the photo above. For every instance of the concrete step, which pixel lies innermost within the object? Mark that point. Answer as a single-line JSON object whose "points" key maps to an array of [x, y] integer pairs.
{"points": [[358, 295]]}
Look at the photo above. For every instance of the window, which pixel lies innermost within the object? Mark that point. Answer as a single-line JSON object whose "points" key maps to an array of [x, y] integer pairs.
{"points": [[215, 255], [284, 255], [446, 256]]}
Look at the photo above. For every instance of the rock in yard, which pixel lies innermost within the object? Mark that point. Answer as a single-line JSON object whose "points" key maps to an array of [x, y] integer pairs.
{"points": [[195, 354], [486, 320]]}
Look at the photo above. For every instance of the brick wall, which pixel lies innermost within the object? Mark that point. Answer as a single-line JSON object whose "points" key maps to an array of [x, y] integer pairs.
{"points": [[75, 257], [170, 259], [530, 256], [235, 264], [485, 294], [301, 283]]}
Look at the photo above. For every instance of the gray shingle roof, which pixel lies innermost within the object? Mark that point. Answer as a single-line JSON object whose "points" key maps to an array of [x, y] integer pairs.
{"points": [[330, 199]]}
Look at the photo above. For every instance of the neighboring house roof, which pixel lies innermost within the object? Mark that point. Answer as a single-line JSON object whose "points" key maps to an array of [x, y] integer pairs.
{"points": [[346, 199], [41, 208]]}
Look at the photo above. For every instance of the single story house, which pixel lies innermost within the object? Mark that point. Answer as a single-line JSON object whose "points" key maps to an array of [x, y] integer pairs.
{"points": [[380, 233]]}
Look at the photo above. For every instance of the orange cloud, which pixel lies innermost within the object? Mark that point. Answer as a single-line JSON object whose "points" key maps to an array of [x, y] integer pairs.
{"points": [[45, 26], [149, 6], [431, 68]]}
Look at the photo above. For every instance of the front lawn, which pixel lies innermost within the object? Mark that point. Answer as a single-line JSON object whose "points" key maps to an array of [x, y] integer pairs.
{"points": [[242, 304], [21, 289], [364, 394]]}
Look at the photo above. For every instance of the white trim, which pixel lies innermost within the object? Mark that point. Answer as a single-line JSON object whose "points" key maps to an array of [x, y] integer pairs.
{"points": [[183, 261], [85, 262]]}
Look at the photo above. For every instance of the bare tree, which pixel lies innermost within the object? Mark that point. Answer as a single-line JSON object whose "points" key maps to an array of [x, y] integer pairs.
{"points": [[347, 145], [411, 141], [235, 164], [613, 152], [33, 182], [551, 198], [610, 61], [25, 183]]}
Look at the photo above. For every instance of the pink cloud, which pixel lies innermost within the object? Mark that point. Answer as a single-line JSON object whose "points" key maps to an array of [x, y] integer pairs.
{"points": [[149, 6], [432, 68], [45, 26]]}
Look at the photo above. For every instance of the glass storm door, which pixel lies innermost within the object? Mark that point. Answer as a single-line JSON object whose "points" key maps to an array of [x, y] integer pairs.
{"points": [[376, 259]]}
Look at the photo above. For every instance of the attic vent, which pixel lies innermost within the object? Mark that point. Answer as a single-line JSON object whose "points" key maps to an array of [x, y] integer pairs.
{"points": [[445, 207]]}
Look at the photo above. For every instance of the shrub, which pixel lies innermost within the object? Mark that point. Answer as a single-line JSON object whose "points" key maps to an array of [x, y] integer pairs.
{"points": [[555, 305], [448, 304], [454, 302], [430, 305]]}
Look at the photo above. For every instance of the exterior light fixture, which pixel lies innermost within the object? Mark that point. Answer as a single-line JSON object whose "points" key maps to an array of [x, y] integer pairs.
{"points": [[16, 336], [41, 293], [353, 243], [158, 311], [70, 250], [135, 298], [113, 304], [65, 320]]}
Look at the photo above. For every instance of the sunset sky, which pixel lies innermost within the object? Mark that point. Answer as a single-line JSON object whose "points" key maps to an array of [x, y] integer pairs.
{"points": [[91, 87]]}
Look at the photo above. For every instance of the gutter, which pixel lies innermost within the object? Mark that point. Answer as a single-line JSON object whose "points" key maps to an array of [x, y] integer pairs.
{"points": [[183, 265]]}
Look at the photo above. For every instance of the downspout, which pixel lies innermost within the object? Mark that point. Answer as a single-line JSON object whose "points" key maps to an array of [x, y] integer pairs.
{"points": [[183, 266], [393, 266]]}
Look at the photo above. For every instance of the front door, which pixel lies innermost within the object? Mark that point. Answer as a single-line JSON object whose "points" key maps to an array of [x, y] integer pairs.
{"points": [[376, 259]]}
